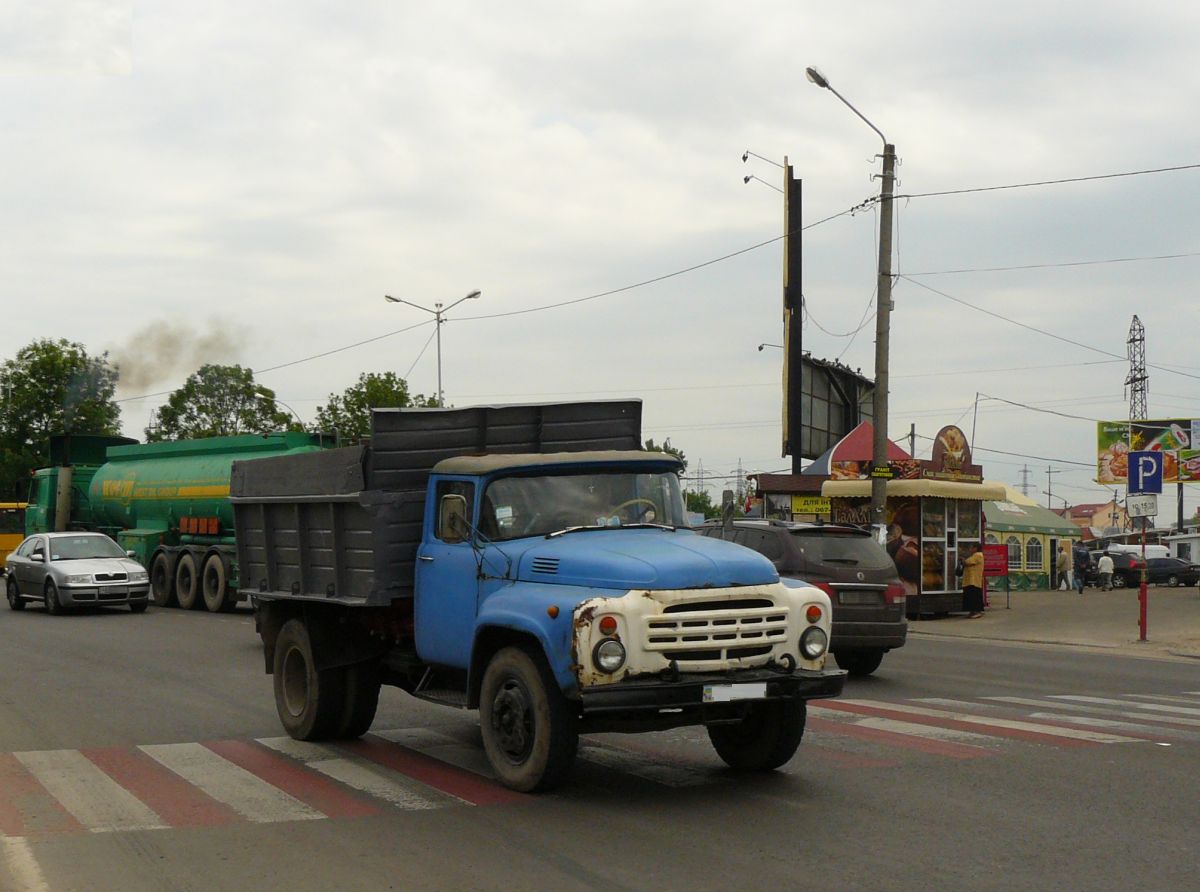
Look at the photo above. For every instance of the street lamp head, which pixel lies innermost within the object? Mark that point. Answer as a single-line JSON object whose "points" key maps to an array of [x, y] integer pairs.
{"points": [[475, 293], [745, 179], [391, 300], [817, 78], [745, 155]]}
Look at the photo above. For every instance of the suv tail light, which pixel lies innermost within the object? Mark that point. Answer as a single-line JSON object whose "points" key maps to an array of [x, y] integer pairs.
{"points": [[894, 593], [827, 589]]}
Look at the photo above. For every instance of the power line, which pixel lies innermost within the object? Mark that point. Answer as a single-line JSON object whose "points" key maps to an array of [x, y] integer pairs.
{"points": [[1104, 176], [1004, 269]]}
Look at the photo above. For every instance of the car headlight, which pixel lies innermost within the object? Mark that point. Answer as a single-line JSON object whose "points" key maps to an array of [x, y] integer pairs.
{"points": [[813, 642], [139, 576], [79, 579], [609, 655]]}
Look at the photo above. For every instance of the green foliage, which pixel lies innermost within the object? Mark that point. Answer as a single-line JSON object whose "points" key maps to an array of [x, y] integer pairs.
{"points": [[218, 401], [50, 387], [350, 413], [702, 503], [651, 446]]}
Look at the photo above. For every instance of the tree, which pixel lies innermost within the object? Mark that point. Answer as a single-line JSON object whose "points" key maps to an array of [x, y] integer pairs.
{"points": [[218, 401], [651, 446], [702, 503], [350, 413], [50, 387]]}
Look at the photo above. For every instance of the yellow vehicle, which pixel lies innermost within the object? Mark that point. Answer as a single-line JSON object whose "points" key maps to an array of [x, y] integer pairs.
{"points": [[12, 527]]}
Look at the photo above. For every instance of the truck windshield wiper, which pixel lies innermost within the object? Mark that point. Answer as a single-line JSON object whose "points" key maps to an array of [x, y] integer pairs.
{"points": [[624, 526]]}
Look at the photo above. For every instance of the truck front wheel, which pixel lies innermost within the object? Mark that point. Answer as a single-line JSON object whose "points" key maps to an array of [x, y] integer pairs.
{"points": [[528, 731], [311, 703], [765, 739]]}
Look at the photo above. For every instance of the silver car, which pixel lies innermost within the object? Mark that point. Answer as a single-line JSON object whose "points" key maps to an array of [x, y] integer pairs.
{"points": [[65, 570]]}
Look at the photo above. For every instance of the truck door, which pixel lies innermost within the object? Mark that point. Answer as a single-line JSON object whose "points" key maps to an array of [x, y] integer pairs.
{"points": [[447, 586]]}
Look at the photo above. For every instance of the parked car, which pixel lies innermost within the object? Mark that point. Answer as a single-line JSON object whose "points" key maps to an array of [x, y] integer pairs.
{"points": [[65, 570], [1127, 568], [1172, 571], [847, 564]]}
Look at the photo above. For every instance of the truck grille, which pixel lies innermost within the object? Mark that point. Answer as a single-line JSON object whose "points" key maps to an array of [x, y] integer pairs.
{"points": [[711, 632]]}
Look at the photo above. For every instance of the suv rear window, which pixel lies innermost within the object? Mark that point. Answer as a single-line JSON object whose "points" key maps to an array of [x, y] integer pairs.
{"points": [[846, 549]]}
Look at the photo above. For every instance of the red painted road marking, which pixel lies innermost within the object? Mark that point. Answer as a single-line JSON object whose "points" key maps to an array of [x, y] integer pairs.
{"points": [[894, 738], [980, 727], [177, 802], [459, 783], [311, 788], [26, 807], [842, 759]]}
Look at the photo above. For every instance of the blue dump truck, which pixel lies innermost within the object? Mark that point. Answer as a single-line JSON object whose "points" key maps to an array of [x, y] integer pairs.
{"points": [[531, 562]]}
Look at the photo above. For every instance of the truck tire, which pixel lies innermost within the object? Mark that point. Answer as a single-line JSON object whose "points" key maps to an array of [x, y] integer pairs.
{"points": [[15, 601], [859, 663], [765, 739], [213, 583], [50, 595], [362, 699], [529, 733], [187, 582], [162, 581], [311, 703]]}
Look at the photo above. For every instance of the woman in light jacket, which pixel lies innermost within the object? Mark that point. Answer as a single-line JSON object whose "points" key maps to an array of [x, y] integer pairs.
{"points": [[972, 580]]}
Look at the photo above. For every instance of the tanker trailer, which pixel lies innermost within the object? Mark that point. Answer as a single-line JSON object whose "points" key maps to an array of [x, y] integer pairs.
{"points": [[168, 504]]}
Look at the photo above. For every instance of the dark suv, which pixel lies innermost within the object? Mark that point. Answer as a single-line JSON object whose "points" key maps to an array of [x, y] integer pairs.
{"points": [[847, 564], [1127, 569]]}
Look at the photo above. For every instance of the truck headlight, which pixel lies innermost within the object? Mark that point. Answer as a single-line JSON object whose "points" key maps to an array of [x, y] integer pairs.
{"points": [[79, 579], [813, 642], [609, 655]]}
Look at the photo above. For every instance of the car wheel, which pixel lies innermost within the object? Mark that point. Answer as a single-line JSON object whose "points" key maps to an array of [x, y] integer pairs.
{"points": [[859, 662], [1173, 580], [15, 601], [138, 606], [1118, 580], [765, 739], [50, 595]]}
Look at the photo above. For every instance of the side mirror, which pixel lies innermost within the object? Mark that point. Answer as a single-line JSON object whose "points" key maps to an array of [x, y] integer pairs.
{"points": [[39, 557], [452, 518], [130, 553]]}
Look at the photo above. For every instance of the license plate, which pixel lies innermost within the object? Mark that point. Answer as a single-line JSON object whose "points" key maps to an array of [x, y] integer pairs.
{"points": [[860, 598], [723, 693]]}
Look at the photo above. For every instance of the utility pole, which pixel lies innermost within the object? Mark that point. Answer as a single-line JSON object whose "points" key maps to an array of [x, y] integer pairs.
{"points": [[883, 304], [1049, 487], [793, 349]]}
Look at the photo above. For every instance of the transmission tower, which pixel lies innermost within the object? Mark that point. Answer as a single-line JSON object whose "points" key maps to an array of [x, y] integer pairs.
{"points": [[1025, 486], [1137, 380]]}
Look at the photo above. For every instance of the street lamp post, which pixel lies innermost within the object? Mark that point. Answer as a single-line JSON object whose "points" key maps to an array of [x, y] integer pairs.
{"points": [[439, 313], [267, 394], [879, 452]]}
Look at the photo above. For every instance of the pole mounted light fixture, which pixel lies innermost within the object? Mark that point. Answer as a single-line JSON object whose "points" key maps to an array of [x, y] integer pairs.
{"points": [[879, 421], [439, 313]]}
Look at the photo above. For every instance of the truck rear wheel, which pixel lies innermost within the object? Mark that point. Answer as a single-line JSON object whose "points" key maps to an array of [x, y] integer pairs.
{"points": [[162, 582], [213, 582], [311, 703], [362, 699], [187, 581], [765, 739], [859, 662], [529, 733]]}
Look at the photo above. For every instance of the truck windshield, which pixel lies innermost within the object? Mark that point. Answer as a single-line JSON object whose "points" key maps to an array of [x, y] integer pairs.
{"points": [[537, 505]]}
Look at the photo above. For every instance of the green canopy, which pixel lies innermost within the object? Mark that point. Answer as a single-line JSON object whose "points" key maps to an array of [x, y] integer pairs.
{"points": [[1009, 517]]}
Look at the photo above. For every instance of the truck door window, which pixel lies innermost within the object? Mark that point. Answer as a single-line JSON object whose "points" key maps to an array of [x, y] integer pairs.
{"points": [[453, 488]]}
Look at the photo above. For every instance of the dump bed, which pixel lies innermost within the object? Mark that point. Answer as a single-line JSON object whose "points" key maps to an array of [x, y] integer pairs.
{"points": [[345, 524]]}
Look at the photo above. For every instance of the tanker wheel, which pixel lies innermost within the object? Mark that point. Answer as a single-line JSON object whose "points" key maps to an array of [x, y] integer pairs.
{"points": [[187, 582], [162, 584], [311, 702], [213, 582]]}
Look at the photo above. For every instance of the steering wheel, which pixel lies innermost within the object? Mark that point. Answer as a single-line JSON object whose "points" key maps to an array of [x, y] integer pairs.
{"points": [[554, 520], [629, 503]]}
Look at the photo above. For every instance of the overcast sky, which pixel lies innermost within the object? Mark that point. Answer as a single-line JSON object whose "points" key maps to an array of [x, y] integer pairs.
{"points": [[232, 182]]}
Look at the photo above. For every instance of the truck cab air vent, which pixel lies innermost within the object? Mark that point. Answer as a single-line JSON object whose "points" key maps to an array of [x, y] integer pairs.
{"points": [[548, 566]]}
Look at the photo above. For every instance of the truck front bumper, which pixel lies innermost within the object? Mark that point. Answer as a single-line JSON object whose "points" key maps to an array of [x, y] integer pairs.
{"points": [[699, 699]]}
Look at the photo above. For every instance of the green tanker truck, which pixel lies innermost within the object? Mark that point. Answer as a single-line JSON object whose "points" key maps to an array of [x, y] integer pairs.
{"points": [[167, 504]]}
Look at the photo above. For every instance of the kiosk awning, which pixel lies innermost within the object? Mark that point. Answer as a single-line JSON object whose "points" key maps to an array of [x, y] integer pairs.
{"points": [[944, 489]]}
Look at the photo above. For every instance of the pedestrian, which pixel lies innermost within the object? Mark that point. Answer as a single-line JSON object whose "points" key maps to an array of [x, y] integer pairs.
{"points": [[972, 581], [1082, 563], [1105, 568], [1064, 566]]}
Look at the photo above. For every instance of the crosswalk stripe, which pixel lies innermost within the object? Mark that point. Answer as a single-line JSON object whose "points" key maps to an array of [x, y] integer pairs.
{"points": [[370, 779], [899, 726], [465, 785], [1150, 732], [1185, 701], [892, 739], [441, 746], [251, 797], [172, 798], [1154, 719], [996, 726], [98, 802], [1130, 704], [26, 806]]}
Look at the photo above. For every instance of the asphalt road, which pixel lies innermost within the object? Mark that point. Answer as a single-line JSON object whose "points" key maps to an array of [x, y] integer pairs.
{"points": [[143, 753]]}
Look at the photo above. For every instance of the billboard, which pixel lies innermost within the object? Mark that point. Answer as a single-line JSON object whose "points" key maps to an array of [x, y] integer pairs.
{"points": [[1178, 439]]}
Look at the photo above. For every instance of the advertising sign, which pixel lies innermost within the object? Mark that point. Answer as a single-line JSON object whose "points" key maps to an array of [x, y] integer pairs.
{"points": [[810, 505], [1178, 439], [995, 560]]}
